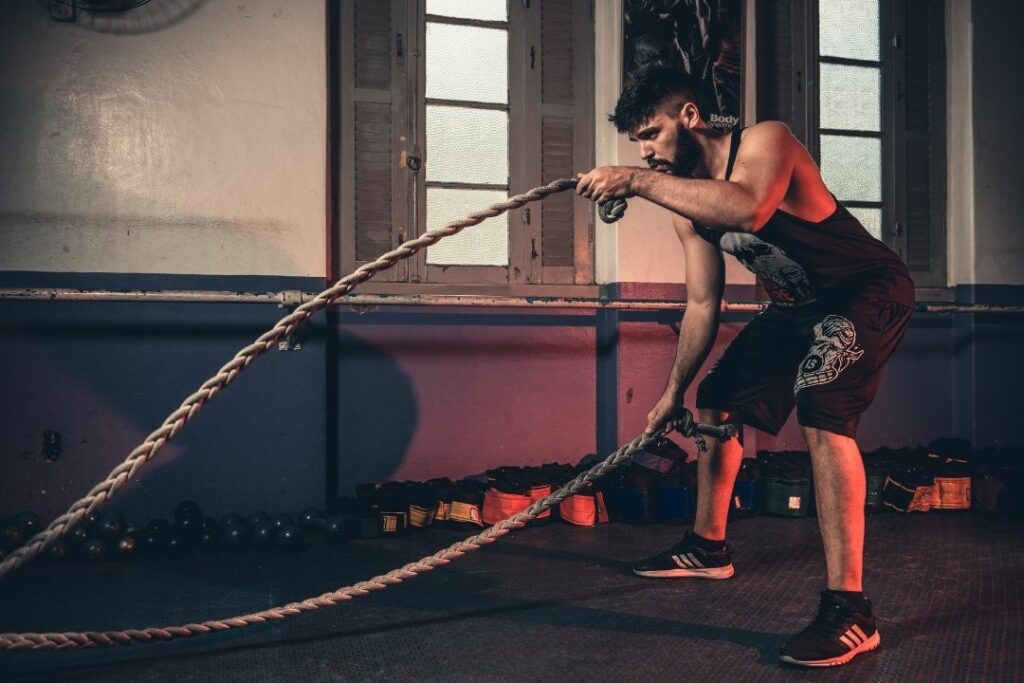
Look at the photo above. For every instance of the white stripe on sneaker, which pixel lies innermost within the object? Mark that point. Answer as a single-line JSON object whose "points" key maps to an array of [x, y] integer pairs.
{"points": [[680, 561], [694, 560], [852, 634], [856, 629], [847, 642]]}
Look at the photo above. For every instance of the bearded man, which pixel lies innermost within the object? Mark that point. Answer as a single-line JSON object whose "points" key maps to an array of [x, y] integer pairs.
{"points": [[841, 301]]}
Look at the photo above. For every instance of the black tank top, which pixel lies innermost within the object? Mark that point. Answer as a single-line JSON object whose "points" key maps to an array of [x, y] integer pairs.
{"points": [[799, 261]]}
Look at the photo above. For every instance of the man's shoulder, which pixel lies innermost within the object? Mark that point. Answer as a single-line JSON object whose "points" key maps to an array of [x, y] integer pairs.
{"points": [[768, 132], [768, 129]]}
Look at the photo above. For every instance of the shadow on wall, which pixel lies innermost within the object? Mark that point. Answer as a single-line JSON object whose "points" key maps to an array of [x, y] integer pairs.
{"points": [[103, 376], [154, 15], [377, 413]]}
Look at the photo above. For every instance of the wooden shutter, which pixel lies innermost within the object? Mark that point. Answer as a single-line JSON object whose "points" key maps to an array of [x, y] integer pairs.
{"points": [[563, 133], [919, 139], [784, 65], [373, 186]]}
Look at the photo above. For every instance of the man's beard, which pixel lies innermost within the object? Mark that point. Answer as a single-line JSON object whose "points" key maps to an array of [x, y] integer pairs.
{"points": [[687, 153]]}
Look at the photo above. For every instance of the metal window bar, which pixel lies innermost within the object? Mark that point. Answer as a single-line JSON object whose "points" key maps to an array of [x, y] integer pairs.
{"points": [[468, 104], [876, 134], [456, 185], [847, 61], [461, 21]]}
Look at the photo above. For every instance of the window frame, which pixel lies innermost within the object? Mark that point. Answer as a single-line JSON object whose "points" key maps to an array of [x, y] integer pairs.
{"points": [[525, 272], [461, 274], [886, 130]]}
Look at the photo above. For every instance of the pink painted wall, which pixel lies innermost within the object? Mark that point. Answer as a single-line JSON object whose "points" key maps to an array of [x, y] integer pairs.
{"points": [[427, 400], [424, 397]]}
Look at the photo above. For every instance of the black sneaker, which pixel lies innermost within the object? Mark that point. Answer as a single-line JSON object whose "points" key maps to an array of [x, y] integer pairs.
{"points": [[686, 559], [840, 632]]}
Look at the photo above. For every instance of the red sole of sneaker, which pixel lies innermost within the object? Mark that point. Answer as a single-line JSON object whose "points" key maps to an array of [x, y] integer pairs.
{"points": [[868, 645]]}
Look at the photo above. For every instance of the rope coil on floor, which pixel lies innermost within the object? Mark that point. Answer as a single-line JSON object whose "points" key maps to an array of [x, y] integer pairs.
{"points": [[175, 422]]}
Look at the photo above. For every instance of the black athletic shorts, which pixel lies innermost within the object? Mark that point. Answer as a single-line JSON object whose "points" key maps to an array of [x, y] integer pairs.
{"points": [[824, 358]]}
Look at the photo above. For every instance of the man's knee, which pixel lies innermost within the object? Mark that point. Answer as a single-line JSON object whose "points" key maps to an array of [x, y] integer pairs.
{"points": [[824, 420], [711, 416], [818, 437]]}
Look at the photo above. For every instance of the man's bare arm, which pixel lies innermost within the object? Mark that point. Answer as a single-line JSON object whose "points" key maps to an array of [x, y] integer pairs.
{"points": [[705, 280], [758, 184], [705, 277]]}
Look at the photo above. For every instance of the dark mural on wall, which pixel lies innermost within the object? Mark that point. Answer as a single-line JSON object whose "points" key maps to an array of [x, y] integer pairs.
{"points": [[702, 38]]}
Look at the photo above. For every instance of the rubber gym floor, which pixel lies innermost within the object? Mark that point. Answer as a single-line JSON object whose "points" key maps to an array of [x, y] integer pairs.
{"points": [[550, 603]]}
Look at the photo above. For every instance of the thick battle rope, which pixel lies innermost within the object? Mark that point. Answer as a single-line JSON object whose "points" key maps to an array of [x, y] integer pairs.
{"points": [[175, 422], [284, 327]]}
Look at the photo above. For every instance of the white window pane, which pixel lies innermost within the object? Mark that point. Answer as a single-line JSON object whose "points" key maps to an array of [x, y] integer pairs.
{"points": [[467, 63], [481, 245], [487, 10], [467, 145], [870, 219], [852, 167], [850, 97], [848, 28]]}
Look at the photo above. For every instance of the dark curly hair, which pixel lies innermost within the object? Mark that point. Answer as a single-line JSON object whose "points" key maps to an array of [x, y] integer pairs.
{"points": [[645, 91]]}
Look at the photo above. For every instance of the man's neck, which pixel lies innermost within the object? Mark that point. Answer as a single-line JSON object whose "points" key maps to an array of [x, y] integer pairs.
{"points": [[714, 156]]}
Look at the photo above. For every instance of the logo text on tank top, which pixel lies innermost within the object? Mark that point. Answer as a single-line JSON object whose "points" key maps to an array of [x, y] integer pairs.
{"points": [[784, 279]]}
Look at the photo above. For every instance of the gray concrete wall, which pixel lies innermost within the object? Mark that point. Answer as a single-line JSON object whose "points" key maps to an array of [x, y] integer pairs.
{"points": [[186, 136]]}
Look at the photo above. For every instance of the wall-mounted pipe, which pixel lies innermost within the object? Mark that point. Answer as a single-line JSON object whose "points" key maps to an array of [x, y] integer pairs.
{"points": [[363, 301]]}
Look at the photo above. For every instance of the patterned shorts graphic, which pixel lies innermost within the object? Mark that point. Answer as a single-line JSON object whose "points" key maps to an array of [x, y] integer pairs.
{"points": [[833, 349]]}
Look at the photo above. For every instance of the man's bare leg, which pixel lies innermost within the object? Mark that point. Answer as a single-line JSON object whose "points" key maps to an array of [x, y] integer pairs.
{"points": [[716, 477], [845, 625], [840, 493], [704, 555]]}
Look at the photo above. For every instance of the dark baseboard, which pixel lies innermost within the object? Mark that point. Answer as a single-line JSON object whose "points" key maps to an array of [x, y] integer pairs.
{"points": [[990, 295]]}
